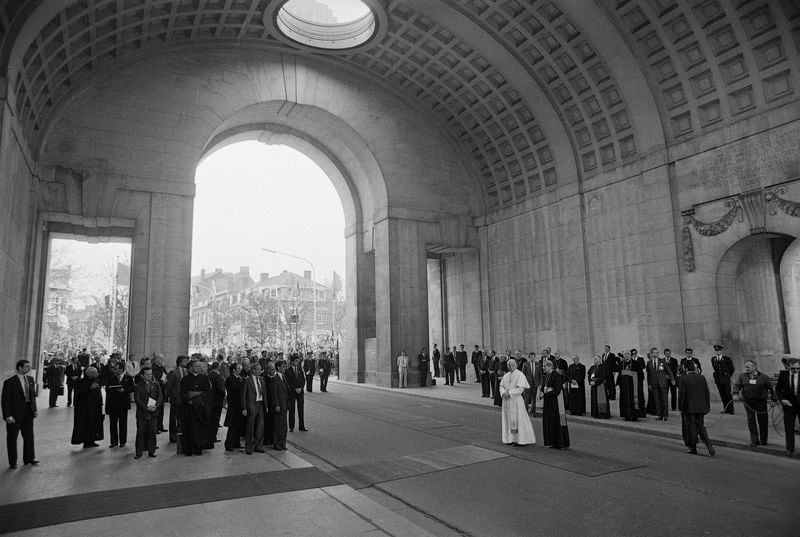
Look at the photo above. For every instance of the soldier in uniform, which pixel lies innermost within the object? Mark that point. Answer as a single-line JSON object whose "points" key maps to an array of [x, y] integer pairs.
{"points": [[723, 371]]}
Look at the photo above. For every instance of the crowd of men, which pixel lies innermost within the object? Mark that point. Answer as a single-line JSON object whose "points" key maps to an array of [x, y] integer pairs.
{"points": [[651, 385], [264, 396]]}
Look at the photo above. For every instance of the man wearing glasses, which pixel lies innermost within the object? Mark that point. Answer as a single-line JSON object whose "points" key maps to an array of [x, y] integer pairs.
{"points": [[788, 390]]}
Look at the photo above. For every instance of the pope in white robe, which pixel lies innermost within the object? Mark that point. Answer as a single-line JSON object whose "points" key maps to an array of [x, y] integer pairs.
{"points": [[517, 427]]}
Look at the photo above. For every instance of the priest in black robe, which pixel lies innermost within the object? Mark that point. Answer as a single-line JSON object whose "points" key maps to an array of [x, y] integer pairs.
{"points": [[87, 426], [598, 395], [554, 417], [576, 376], [195, 410], [628, 380]]}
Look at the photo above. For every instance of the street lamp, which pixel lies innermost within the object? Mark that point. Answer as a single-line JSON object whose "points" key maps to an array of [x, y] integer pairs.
{"points": [[313, 286]]}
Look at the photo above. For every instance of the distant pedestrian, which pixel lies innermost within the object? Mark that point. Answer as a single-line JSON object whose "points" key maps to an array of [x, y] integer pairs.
{"points": [[694, 403], [402, 370], [423, 361], [435, 356]]}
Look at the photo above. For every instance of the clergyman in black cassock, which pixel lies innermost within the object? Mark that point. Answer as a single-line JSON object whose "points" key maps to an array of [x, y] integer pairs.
{"points": [[597, 392], [554, 416], [88, 420], [195, 411], [576, 375]]}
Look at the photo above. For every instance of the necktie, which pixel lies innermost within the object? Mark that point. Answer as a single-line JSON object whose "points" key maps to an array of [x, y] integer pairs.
{"points": [[794, 383], [25, 389], [258, 390]]}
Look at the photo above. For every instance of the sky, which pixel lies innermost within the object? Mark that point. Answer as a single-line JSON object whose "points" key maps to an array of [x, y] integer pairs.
{"points": [[252, 196]]}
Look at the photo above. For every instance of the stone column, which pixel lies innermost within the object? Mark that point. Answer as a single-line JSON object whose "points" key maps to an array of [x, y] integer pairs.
{"points": [[401, 297]]}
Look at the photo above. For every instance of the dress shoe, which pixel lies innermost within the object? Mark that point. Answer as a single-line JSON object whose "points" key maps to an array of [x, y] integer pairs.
{"points": [[34, 462], [291, 430], [137, 456], [90, 445], [113, 445], [303, 429], [12, 466], [690, 451], [122, 444], [789, 453], [228, 449], [249, 452], [711, 451], [151, 454], [257, 450]]}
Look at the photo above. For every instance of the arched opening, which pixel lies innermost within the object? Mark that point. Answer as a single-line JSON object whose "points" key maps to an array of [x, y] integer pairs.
{"points": [[268, 259], [753, 301]]}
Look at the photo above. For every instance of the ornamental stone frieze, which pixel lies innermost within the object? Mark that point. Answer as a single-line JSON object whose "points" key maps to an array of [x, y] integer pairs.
{"points": [[753, 207]]}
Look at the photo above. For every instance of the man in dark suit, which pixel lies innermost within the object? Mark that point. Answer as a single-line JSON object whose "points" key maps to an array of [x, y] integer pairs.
{"points": [[788, 390], [690, 358], [324, 371], [435, 356], [233, 417], [673, 388], [73, 373], [148, 398], [659, 379], [476, 362], [309, 370], [723, 371], [296, 381], [610, 363], [118, 402], [55, 379], [279, 393], [694, 403], [461, 363], [19, 410], [254, 409]]}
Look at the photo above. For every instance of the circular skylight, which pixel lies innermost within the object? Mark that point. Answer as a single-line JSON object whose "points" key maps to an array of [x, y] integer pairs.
{"points": [[328, 24]]}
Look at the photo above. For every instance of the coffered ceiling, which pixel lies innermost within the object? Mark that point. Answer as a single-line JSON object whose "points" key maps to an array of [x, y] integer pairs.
{"points": [[707, 63]]}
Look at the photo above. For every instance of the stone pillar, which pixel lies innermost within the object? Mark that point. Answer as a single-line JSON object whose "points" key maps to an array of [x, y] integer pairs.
{"points": [[161, 278], [401, 291]]}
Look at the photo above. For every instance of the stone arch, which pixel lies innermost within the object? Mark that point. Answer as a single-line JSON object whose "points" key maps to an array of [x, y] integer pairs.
{"points": [[750, 297], [790, 283], [356, 176], [136, 134]]}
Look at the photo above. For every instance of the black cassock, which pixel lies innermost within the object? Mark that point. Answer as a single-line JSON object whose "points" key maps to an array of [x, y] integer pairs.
{"points": [[576, 373], [88, 420], [195, 414], [554, 419], [630, 402], [598, 394]]}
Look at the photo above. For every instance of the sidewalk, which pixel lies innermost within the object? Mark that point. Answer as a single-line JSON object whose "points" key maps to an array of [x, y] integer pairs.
{"points": [[729, 430], [94, 492]]}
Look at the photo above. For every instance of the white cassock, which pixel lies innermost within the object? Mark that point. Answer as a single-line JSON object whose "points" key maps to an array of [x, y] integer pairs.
{"points": [[517, 425]]}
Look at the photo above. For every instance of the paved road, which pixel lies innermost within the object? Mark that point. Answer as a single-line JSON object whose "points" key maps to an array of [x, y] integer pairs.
{"points": [[443, 462]]}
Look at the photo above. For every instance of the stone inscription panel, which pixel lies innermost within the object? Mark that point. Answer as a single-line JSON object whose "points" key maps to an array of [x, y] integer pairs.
{"points": [[761, 160]]}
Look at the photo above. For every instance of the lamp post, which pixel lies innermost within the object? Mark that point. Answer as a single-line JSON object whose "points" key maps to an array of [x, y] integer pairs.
{"points": [[313, 286]]}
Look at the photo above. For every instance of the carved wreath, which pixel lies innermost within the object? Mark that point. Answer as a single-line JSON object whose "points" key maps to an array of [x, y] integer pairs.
{"points": [[792, 208], [709, 229]]}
